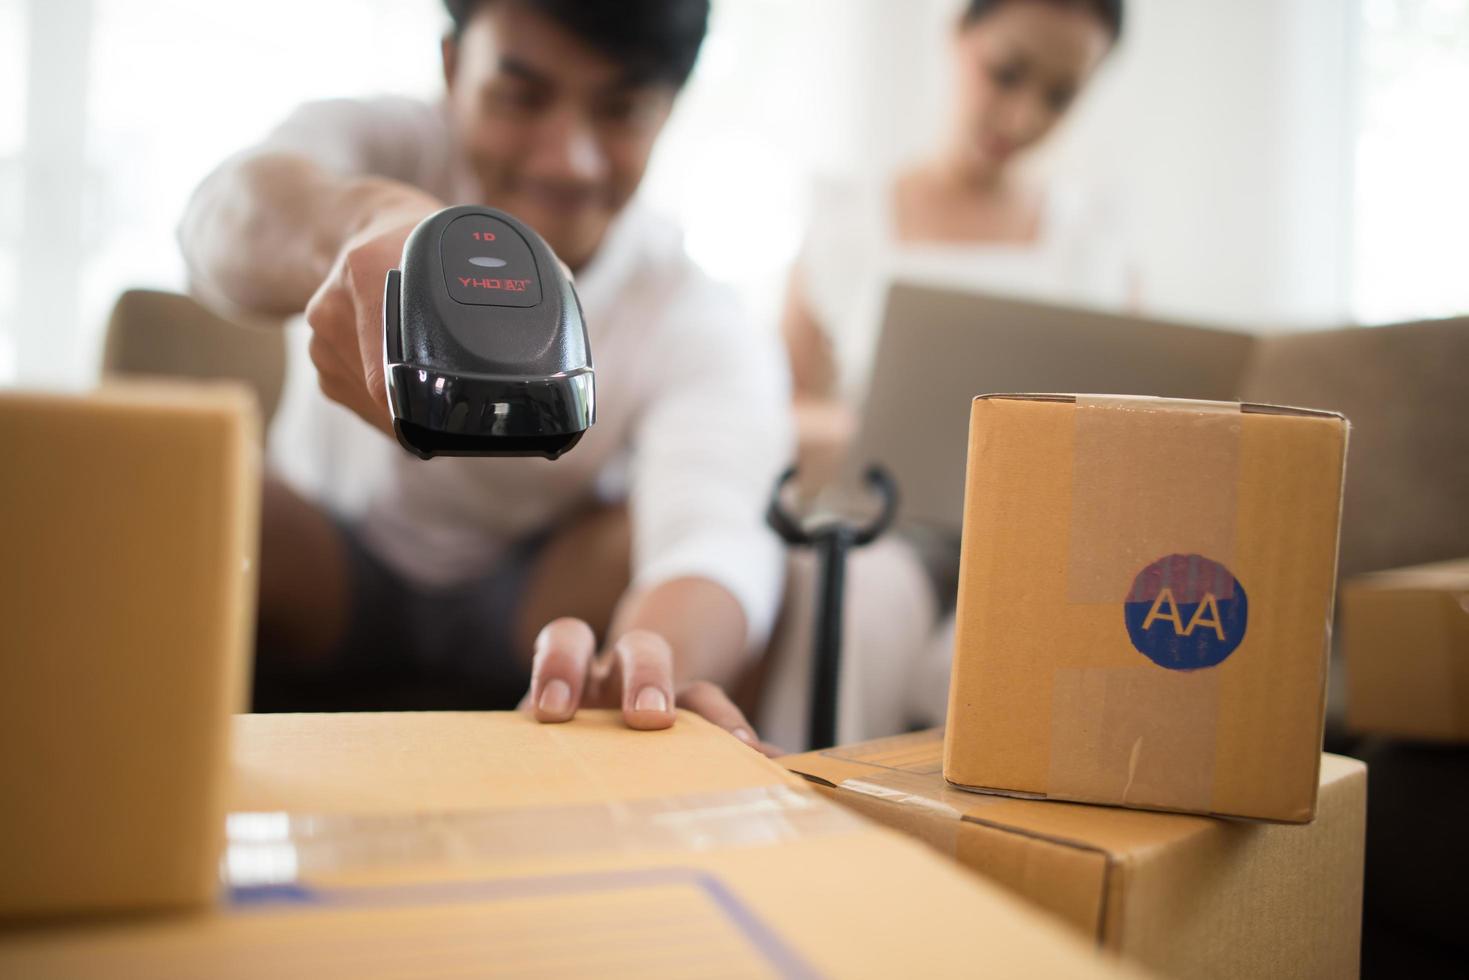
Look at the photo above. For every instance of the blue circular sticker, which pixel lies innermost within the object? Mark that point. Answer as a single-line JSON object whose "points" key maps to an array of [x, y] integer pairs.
{"points": [[1185, 612]]}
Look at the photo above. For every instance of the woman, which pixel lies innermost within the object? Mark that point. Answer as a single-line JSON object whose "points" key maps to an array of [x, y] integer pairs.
{"points": [[966, 216]]}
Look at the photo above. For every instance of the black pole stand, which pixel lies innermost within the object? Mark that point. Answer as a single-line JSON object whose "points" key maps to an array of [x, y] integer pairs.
{"points": [[832, 538]]}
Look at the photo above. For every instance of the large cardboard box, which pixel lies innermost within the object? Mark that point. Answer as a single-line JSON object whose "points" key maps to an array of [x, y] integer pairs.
{"points": [[128, 526], [1405, 639], [1145, 596], [1189, 896], [488, 845]]}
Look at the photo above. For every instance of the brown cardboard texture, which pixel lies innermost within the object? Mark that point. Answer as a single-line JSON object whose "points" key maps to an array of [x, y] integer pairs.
{"points": [[1144, 599], [129, 527], [1405, 639], [486, 844], [1188, 896]]}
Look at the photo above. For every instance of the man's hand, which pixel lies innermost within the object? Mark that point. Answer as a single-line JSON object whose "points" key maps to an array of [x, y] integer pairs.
{"points": [[636, 675], [346, 313]]}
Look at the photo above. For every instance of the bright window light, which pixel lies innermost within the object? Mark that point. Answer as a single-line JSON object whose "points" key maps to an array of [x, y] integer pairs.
{"points": [[1412, 196]]}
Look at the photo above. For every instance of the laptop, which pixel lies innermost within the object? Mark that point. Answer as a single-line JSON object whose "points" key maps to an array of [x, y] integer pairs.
{"points": [[938, 348]]}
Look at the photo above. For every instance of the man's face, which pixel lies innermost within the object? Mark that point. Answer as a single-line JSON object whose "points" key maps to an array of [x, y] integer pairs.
{"points": [[555, 131]]}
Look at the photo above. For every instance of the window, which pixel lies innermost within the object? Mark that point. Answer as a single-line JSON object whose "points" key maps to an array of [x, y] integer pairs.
{"points": [[12, 137], [1412, 197], [164, 90]]}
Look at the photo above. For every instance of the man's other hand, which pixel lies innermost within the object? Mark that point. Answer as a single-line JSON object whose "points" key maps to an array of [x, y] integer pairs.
{"points": [[636, 674]]}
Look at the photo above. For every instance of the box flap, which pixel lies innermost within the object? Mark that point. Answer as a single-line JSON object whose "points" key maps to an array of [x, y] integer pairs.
{"points": [[907, 770], [366, 764]]}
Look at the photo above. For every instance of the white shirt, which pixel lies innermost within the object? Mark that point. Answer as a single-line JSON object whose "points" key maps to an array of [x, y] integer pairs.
{"points": [[692, 401], [852, 255]]}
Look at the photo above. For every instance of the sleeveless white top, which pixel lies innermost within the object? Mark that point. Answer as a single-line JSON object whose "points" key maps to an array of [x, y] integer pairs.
{"points": [[852, 255], [850, 258]]}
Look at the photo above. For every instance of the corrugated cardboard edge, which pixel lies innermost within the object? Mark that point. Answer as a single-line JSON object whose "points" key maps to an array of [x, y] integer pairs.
{"points": [[1015, 795], [1331, 599], [245, 478], [841, 779], [1179, 404]]}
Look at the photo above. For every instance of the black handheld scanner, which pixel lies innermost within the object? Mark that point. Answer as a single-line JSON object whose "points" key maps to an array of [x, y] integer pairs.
{"points": [[484, 349]]}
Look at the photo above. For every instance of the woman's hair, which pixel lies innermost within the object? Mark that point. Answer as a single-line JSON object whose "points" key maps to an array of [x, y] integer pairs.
{"points": [[1108, 11]]}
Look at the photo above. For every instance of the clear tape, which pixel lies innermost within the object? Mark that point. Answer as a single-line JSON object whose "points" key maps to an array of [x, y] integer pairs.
{"points": [[879, 788], [1127, 511], [953, 822], [1141, 734], [283, 848], [912, 802]]}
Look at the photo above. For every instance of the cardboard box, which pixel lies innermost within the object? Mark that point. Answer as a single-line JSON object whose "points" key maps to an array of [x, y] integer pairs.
{"points": [[1405, 639], [485, 844], [128, 525], [1145, 596], [1188, 896]]}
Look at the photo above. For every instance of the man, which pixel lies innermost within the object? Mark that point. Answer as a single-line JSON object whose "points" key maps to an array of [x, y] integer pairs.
{"points": [[491, 573]]}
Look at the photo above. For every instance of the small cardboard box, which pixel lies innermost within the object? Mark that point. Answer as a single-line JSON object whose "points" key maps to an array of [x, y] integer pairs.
{"points": [[1188, 896], [1145, 596], [488, 845], [1405, 639], [128, 525]]}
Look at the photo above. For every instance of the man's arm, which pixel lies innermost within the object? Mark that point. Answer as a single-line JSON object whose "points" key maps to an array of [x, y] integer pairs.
{"points": [[265, 229], [276, 232], [707, 572]]}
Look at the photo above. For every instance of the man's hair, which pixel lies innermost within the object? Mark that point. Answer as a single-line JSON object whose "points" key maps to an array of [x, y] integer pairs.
{"points": [[1109, 12], [656, 41]]}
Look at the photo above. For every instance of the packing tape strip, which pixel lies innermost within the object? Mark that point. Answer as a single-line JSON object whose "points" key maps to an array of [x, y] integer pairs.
{"points": [[1146, 733], [940, 815], [1134, 735], [286, 848], [911, 802], [1123, 516]]}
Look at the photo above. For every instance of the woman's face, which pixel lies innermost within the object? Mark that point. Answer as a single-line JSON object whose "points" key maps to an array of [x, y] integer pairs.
{"points": [[1019, 68]]}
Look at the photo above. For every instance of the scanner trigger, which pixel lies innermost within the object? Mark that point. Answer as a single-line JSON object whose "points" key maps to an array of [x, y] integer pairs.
{"points": [[392, 326]]}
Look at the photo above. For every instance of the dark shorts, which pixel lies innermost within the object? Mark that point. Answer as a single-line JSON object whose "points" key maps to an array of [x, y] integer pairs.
{"points": [[411, 647]]}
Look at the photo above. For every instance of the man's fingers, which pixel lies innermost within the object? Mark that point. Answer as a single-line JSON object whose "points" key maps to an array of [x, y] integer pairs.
{"points": [[711, 703], [564, 650], [333, 318], [341, 381], [370, 342], [646, 665]]}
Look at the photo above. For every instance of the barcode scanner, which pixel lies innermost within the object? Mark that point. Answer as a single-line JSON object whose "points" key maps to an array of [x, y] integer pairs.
{"points": [[484, 349]]}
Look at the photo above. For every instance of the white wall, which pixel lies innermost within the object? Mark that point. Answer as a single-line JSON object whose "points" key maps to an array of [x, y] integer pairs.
{"points": [[1229, 129], [1224, 129]]}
